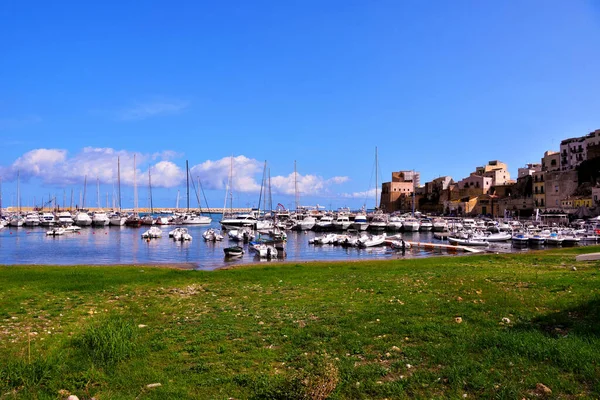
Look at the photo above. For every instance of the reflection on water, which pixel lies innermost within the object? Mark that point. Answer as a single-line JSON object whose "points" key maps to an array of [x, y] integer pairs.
{"points": [[123, 245]]}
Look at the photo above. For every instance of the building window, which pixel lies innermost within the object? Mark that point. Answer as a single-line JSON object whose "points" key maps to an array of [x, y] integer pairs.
{"points": [[556, 189]]}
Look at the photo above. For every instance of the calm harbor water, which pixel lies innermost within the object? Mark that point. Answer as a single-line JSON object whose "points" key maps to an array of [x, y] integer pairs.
{"points": [[124, 245]]}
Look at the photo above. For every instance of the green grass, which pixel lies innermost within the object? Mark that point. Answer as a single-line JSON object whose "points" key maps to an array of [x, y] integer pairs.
{"points": [[365, 330]]}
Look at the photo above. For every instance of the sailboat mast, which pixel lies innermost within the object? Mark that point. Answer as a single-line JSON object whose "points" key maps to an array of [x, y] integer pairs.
{"points": [[150, 190], [135, 202], [119, 180], [296, 185], [19, 191], [187, 177], [270, 194], [84, 191], [376, 181], [98, 191]]}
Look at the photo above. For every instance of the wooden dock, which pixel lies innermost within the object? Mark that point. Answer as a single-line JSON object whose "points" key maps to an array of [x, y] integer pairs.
{"points": [[447, 247]]}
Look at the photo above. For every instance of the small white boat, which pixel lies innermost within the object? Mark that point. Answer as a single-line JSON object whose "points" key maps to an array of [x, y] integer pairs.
{"points": [[325, 223], [360, 222], [192, 219], [440, 225], [554, 239], [371, 241], [426, 224], [411, 225], [72, 228], [537, 239], [470, 242], [47, 219], [56, 231], [152, 233], [31, 219], [342, 222], [65, 218], [180, 234], [82, 219], [520, 239], [264, 250], [212, 236], [498, 237], [399, 245], [99, 218]]}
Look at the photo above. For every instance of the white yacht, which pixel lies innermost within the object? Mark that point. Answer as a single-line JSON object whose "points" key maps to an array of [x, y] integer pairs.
{"points": [[31, 219], [426, 224], [239, 221], [360, 222], [99, 218], [16, 221], [342, 222], [47, 219], [82, 219], [193, 219], [65, 218], [440, 225], [306, 224], [395, 223], [117, 219], [411, 225], [378, 222], [325, 223]]}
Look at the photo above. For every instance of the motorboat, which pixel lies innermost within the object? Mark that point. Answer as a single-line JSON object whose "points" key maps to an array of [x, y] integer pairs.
{"points": [[56, 231], [72, 228], [65, 218], [411, 225], [399, 245], [211, 235], [99, 218], [374, 240], [133, 220], [239, 221], [263, 250], [162, 221], [233, 251], [47, 219], [306, 223], [520, 239], [117, 219], [243, 234], [31, 219], [439, 225], [194, 219], [395, 223], [470, 241], [82, 219], [180, 234], [554, 239], [425, 224], [148, 220], [152, 233], [360, 222], [325, 223], [379, 222], [498, 237], [537, 239], [16, 221], [342, 222]]}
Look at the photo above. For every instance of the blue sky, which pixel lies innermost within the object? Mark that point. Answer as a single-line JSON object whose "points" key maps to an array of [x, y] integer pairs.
{"points": [[439, 86]]}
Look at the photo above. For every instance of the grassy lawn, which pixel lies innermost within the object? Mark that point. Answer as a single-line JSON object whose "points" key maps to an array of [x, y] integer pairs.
{"points": [[489, 326]]}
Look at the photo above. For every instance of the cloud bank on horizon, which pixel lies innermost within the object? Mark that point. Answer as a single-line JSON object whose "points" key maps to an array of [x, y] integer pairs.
{"points": [[57, 167]]}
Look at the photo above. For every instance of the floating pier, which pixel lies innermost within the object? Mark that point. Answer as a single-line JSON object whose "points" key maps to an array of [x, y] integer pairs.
{"points": [[448, 247]]}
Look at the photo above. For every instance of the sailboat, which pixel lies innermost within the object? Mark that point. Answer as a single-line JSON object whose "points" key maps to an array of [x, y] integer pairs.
{"points": [[134, 219], [117, 218], [191, 218], [148, 219], [17, 220], [235, 221], [82, 218], [99, 218]]}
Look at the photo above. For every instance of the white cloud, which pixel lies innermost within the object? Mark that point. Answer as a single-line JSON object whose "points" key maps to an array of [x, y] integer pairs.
{"points": [[57, 167], [361, 195], [145, 110]]}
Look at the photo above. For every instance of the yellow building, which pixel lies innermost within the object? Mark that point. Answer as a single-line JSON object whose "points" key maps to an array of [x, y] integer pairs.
{"points": [[539, 196]]}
